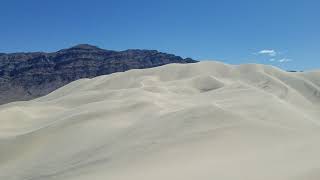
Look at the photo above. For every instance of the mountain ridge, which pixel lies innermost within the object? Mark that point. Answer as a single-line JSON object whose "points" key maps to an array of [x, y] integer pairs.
{"points": [[27, 75]]}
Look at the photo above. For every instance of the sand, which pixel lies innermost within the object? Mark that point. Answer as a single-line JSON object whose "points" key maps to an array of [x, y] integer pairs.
{"points": [[200, 121]]}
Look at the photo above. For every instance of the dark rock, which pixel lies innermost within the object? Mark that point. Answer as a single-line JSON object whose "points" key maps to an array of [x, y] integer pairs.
{"points": [[25, 76]]}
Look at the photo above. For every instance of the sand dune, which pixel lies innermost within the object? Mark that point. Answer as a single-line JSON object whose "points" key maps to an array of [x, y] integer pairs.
{"points": [[200, 121]]}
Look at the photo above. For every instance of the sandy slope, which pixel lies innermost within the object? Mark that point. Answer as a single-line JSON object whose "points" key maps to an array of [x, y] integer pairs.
{"points": [[199, 121]]}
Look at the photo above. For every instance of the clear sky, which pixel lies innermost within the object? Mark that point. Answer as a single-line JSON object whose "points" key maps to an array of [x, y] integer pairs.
{"points": [[285, 33]]}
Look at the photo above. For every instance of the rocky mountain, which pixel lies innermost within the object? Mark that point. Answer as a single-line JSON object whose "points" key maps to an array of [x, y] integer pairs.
{"points": [[24, 76]]}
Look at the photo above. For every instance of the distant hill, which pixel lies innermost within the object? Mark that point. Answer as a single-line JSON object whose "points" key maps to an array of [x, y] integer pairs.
{"points": [[24, 76]]}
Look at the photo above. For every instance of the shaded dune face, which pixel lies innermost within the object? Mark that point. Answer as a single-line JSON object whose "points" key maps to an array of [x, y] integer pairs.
{"points": [[203, 121], [206, 83]]}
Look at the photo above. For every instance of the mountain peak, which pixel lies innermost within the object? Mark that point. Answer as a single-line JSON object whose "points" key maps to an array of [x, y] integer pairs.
{"points": [[85, 46]]}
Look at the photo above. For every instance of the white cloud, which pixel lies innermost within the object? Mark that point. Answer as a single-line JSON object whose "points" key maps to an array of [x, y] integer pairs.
{"points": [[283, 60], [269, 52], [273, 56]]}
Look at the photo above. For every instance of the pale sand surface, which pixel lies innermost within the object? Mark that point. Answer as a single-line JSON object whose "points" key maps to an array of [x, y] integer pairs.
{"points": [[204, 121]]}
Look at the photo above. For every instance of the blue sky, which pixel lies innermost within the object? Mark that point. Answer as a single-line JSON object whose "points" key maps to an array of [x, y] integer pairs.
{"points": [[285, 33]]}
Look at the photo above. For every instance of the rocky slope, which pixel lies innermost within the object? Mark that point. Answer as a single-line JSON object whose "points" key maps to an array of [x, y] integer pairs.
{"points": [[25, 76]]}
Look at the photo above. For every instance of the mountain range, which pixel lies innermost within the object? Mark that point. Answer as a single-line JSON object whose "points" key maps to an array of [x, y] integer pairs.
{"points": [[25, 76]]}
